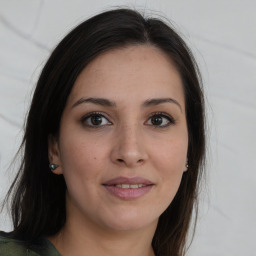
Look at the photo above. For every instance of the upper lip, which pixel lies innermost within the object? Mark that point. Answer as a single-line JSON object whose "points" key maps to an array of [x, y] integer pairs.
{"points": [[125, 180]]}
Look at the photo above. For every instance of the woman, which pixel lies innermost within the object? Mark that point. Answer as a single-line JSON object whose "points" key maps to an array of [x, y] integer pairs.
{"points": [[118, 118]]}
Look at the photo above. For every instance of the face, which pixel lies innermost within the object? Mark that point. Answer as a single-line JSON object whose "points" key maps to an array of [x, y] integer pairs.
{"points": [[123, 139]]}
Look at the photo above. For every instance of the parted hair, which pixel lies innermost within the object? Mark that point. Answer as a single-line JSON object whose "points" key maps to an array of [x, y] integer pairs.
{"points": [[37, 196]]}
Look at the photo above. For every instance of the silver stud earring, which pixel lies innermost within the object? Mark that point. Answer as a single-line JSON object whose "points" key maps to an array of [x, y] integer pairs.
{"points": [[53, 166], [186, 165]]}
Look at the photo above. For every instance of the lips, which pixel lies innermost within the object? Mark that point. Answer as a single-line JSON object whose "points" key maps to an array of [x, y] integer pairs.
{"points": [[128, 188], [124, 180]]}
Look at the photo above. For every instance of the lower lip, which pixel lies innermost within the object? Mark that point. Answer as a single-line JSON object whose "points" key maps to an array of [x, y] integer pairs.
{"points": [[128, 193]]}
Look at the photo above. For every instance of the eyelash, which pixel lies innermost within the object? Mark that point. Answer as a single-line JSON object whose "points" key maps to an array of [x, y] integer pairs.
{"points": [[89, 115], [171, 120]]}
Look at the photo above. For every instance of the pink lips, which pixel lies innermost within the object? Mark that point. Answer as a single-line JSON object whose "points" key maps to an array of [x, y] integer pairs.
{"points": [[128, 193]]}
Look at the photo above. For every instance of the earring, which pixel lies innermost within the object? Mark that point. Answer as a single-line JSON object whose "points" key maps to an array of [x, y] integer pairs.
{"points": [[186, 165], [53, 166]]}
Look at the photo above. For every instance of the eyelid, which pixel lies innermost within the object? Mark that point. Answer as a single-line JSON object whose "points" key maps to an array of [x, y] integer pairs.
{"points": [[170, 118], [88, 115]]}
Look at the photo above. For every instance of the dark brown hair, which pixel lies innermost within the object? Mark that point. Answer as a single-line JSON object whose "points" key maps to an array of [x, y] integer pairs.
{"points": [[38, 196]]}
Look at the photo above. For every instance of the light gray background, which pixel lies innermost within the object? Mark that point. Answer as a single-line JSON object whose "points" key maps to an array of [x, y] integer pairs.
{"points": [[222, 34]]}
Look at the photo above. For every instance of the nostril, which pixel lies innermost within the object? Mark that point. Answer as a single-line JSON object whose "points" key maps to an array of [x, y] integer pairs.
{"points": [[122, 161]]}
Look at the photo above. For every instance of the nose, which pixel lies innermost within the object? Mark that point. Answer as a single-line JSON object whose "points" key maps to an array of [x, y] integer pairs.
{"points": [[129, 148]]}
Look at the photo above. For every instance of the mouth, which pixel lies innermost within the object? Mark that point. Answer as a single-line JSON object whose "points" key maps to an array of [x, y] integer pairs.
{"points": [[128, 188]]}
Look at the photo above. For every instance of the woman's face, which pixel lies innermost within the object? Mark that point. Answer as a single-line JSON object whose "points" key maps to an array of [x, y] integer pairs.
{"points": [[123, 139]]}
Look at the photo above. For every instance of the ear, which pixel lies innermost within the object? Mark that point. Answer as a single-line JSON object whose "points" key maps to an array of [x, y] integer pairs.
{"points": [[54, 154]]}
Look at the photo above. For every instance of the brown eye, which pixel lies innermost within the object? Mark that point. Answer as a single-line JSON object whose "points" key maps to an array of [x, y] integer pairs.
{"points": [[160, 120], [95, 120], [156, 120]]}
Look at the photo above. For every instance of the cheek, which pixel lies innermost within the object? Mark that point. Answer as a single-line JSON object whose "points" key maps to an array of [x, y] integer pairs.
{"points": [[169, 159], [82, 159], [170, 155]]}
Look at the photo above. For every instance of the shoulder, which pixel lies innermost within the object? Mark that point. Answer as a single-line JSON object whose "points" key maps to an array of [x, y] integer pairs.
{"points": [[10, 246]]}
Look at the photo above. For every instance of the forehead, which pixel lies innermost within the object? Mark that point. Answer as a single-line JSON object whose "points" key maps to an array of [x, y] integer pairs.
{"points": [[129, 72]]}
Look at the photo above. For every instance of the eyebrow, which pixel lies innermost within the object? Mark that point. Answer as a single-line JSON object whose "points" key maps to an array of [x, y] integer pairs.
{"points": [[97, 101], [158, 101], [107, 103]]}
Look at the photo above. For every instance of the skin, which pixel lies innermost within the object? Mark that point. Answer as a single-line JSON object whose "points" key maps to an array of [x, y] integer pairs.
{"points": [[127, 143]]}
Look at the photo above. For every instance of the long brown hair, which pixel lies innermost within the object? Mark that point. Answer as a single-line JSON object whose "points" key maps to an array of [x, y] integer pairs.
{"points": [[38, 196]]}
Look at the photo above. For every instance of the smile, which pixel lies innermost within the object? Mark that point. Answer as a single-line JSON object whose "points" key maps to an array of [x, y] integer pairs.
{"points": [[128, 188]]}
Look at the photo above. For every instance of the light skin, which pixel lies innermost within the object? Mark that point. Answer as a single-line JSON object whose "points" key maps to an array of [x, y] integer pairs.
{"points": [[125, 116]]}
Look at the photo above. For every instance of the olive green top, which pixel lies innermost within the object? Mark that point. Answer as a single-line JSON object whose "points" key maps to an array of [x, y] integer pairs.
{"points": [[13, 247]]}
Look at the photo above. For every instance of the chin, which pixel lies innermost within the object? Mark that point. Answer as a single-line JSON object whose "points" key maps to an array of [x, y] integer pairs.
{"points": [[128, 226], [130, 221]]}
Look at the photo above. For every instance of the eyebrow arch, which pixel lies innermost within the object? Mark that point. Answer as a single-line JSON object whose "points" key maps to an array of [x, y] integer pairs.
{"points": [[97, 101], [153, 102], [108, 103]]}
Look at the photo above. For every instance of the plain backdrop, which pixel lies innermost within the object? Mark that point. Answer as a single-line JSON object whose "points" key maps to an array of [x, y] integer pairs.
{"points": [[222, 35]]}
